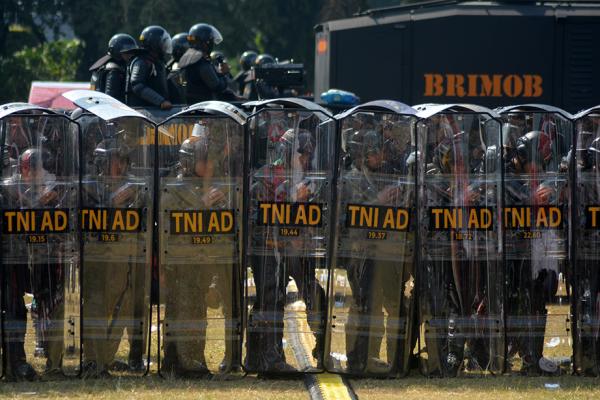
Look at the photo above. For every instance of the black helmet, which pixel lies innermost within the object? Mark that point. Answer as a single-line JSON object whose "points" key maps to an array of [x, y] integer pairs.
{"points": [[204, 37], [156, 39], [306, 142], [372, 143], [264, 59], [217, 57], [107, 150], [535, 146], [120, 42], [180, 45], [192, 150], [247, 59]]}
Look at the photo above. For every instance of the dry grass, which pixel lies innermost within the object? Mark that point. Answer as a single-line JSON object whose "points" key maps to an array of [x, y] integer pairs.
{"points": [[413, 387], [488, 388], [154, 387]]}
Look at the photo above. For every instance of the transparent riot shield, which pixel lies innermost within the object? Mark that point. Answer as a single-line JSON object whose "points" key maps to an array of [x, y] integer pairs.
{"points": [[40, 245], [536, 143], [372, 287], [460, 269], [201, 157], [116, 221], [287, 231], [586, 251]]}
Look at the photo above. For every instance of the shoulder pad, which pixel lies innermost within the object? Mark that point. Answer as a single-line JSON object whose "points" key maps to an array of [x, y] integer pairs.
{"points": [[113, 65], [136, 51], [100, 62], [140, 59], [191, 56]]}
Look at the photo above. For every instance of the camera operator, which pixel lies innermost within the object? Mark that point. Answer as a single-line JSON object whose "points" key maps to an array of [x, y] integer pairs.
{"points": [[258, 89], [247, 60], [220, 62]]}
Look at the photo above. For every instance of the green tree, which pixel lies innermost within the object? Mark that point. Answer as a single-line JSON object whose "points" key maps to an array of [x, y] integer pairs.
{"points": [[283, 29], [52, 61]]}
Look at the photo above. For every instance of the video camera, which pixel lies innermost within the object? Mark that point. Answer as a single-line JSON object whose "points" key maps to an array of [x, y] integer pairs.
{"points": [[281, 75]]}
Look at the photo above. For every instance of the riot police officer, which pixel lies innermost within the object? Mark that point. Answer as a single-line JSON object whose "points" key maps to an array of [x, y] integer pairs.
{"points": [[34, 187], [532, 262], [112, 273], [587, 277], [371, 279], [196, 189], [180, 46], [220, 62], [265, 339], [175, 78], [147, 73], [247, 60], [203, 81], [256, 88], [109, 72], [302, 267]]}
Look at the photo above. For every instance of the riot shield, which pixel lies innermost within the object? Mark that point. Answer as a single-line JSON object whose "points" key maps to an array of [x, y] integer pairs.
{"points": [[40, 244], [460, 267], [117, 159], [286, 233], [201, 157], [586, 238], [536, 143], [373, 280]]}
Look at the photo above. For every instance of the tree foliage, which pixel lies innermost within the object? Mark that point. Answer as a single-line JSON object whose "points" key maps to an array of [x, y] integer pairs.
{"points": [[51, 61]]}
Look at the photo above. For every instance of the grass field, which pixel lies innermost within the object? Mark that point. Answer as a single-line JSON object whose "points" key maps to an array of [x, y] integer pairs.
{"points": [[569, 387], [154, 387], [250, 387]]}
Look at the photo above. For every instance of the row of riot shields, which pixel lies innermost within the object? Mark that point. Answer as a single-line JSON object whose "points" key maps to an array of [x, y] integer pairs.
{"points": [[218, 220], [454, 228], [450, 237]]}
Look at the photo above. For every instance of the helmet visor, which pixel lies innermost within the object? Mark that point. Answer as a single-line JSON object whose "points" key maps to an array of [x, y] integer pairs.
{"points": [[217, 37], [165, 44]]}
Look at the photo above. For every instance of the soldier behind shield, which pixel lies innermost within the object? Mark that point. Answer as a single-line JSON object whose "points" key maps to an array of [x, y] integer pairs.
{"points": [[373, 280], [111, 269], [187, 284], [457, 266], [265, 332], [533, 273], [302, 267], [587, 356], [33, 187]]}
